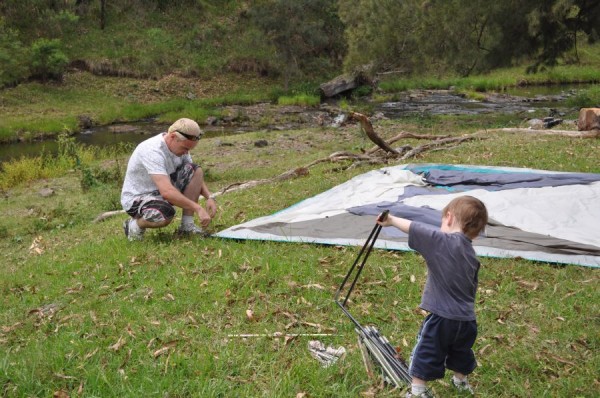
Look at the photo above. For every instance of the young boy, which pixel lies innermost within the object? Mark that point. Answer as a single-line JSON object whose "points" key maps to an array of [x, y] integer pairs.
{"points": [[448, 333]]}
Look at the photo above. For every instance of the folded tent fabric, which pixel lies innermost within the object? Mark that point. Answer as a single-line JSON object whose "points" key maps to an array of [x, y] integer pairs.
{"points": [[534, 214]]}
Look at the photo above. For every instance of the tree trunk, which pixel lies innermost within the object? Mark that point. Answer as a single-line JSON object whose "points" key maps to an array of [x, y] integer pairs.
{"points": [[102, 14]]}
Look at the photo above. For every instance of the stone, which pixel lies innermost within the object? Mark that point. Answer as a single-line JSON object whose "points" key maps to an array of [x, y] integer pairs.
{"points": [[589, 119], [46, 192], [85, 121]]}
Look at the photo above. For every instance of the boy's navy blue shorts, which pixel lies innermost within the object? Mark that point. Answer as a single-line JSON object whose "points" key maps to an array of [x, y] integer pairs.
{"points": [[443, 344]]}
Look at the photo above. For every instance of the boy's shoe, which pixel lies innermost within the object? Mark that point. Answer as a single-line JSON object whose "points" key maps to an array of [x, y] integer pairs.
{"points": [[132, 235], [422, 395], [426, 394], [462, 385], [191, 229]]}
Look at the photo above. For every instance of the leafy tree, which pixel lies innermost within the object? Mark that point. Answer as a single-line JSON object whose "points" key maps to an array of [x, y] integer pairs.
{"points": [[303, 32], [47, 59], [13, 57], [380, 33], [455, 35], [555, 25]]}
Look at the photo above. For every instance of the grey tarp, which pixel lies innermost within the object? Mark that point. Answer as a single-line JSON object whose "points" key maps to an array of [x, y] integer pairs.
{"points": [[534, 214]]}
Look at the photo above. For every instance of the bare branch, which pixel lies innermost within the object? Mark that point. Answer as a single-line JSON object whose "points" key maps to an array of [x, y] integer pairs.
{"points": [[368, 129]]}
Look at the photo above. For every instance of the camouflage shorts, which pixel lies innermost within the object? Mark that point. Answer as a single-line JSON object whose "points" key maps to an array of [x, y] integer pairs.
{"points": [[153, 207]]}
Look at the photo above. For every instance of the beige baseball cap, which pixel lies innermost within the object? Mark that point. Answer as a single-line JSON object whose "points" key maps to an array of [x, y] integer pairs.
{"points": [[187, 128]]}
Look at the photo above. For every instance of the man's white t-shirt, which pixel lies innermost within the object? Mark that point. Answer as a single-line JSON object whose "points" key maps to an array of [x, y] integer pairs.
{"points": [[151, 156]]}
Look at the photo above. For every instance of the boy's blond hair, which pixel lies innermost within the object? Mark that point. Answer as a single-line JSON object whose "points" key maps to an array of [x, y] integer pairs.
{"points": [[470, 213]]}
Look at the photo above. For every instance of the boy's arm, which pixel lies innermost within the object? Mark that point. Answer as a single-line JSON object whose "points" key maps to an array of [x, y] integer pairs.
{"points": [[401, 223]]}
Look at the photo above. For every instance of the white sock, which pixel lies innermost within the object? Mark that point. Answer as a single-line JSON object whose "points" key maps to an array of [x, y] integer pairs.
{"points": [[417, 389], [187, 220], [457, 380], [134, 227]]}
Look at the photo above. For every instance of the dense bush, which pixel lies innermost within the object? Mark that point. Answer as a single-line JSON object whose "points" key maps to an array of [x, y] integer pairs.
{"points": [[13, 57], [48, 61]]}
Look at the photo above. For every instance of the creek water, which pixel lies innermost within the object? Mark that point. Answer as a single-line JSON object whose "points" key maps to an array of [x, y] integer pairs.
{"points": [[516, 100], [101, 136]]}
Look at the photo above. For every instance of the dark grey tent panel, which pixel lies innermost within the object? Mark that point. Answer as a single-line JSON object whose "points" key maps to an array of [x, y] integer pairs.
{"points": [[534, 214]]}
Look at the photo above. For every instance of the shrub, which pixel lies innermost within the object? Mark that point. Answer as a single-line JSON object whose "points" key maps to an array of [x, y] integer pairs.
{"points": [[303, 99], [47, 59], [13, 58], [15, 172]]}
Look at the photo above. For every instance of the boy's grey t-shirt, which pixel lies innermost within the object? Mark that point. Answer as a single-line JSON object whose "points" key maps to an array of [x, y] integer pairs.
{"points": [[149, 157], [452, 266]]}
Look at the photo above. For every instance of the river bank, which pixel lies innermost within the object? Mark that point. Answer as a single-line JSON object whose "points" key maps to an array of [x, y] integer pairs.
{"points": [[528, 102], [82, 100]]}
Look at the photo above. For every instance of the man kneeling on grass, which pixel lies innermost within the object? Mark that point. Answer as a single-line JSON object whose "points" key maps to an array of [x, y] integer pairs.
{"points": [[160, 175]]}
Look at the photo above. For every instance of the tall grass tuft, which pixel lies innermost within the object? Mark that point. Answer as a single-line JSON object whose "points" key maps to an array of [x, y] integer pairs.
{"points": [[302, 100], [70, 156], [18, 171]]}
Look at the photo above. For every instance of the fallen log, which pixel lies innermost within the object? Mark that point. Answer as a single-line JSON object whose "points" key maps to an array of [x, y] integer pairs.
{"points": [[566, 133], [344, 84]]}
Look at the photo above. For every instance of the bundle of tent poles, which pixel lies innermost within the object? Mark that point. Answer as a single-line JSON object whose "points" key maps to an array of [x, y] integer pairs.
{"points": [[375, 347]]}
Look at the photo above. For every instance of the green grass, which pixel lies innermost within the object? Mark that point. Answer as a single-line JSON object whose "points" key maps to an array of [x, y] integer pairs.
{"points": [[86, 313], [303, 100], [499, 80], [589, 98], [33, 110]]}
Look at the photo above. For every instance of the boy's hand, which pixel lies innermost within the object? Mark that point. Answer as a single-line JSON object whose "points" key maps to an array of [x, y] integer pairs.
{"points": [[383, 219], [401, 223]]}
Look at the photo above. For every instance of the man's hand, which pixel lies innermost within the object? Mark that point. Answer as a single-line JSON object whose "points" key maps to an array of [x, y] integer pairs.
{"points": [[203, 217], [211, 207]]}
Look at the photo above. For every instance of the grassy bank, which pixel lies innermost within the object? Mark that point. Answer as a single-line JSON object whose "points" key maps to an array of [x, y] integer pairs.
{"points": [[33, 110], [500, 80], [85, 313]]}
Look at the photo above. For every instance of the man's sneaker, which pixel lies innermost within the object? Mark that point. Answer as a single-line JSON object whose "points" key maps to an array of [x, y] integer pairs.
{"points": [[129, 233], [462, 385], [191, 229]]}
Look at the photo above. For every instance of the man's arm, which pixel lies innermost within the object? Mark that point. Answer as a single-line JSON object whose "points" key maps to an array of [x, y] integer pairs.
{"points": [[172, 194], [211, 203]]}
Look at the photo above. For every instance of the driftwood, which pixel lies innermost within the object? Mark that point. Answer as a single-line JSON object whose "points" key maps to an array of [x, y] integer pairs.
{"points": [[371, 156], [566, 133], [298, 172], [370, 132], [344, 83], [108, 214]]}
